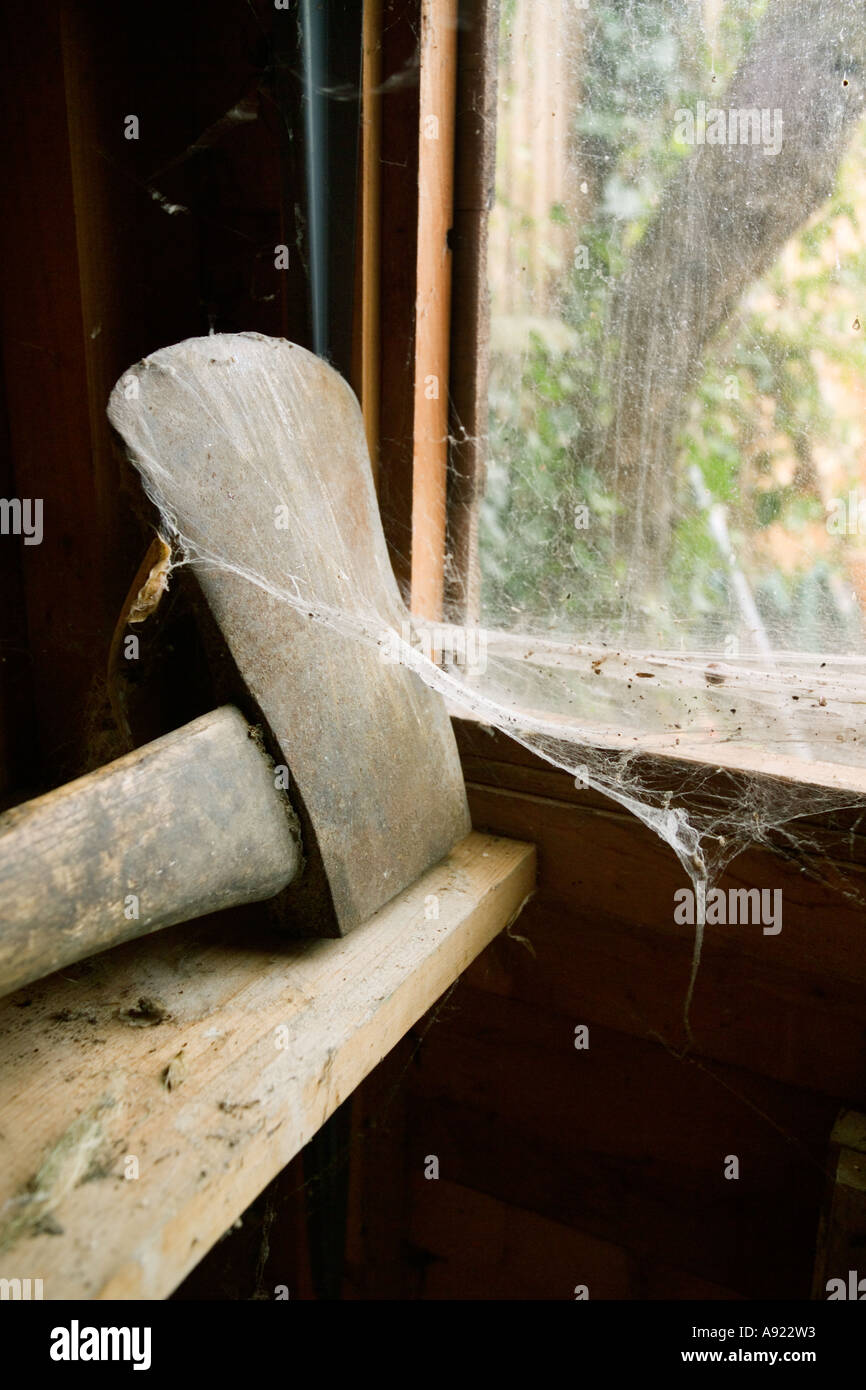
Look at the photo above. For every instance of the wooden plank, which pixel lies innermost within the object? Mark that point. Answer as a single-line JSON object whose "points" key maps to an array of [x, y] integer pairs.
{"points": [[757, 1247], [665, 757], [17, 727], [400, 24], [626, 1142], [608, 862], [842, 1228], [791, 1007], [113, 247], [367, 347], [632, 978], [474, 173], [555, 1089], [210, 1064], [433, 314], [46, 390], [378, 1209], [838, 836], [504, 1251], [470, 1245]]}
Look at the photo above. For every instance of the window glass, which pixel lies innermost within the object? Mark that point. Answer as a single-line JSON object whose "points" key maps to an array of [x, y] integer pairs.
{"points": [[677, 274]]}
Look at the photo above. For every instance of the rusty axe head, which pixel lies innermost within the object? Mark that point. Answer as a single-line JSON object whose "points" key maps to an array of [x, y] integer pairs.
{"points": [[253, 450]]}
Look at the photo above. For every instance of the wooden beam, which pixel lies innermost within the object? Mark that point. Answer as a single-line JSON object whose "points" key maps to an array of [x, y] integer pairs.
{"points": [[399, 160], [474, 175], [148, 1096], [476, 1246], [790, 1007], [44, 367], [595, 1140], [438, 79], [368, 345], [839, 1261]]}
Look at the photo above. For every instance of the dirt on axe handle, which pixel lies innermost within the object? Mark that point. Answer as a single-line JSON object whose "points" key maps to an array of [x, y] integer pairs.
{"points": [[254, 452]]}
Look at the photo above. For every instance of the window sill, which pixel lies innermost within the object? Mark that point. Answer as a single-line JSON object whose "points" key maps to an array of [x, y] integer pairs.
{"points": [[826, 696]]}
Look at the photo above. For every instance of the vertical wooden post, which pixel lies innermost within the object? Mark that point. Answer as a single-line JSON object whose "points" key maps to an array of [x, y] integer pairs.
{"points": [[371, 224], [842, 1228], [46, 389], [474, 174], [401, 23], [433, 302]]}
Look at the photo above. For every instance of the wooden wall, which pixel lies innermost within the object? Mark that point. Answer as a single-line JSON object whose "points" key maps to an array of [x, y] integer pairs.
{"points": [[605, 1167], [113, 247]]}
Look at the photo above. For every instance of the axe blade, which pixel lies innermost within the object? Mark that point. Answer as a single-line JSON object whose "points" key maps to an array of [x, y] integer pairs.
{"points": [[254, 452]]}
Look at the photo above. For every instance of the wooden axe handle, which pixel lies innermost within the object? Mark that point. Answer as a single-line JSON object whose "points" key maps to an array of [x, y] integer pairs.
{"points": [[188, 824]]}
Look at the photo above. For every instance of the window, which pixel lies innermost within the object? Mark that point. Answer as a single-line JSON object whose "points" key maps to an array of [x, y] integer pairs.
{"points": [[673, 529]]}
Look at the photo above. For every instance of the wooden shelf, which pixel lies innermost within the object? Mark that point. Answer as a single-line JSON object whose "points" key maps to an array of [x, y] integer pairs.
{"points": [[210, 1062]]}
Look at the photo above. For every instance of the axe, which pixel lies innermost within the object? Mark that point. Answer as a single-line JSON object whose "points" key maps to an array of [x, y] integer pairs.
{"points": [[254, 452]]}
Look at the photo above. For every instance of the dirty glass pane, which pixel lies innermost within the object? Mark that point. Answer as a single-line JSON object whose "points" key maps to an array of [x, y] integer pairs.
{"points": [[677, 457]]}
